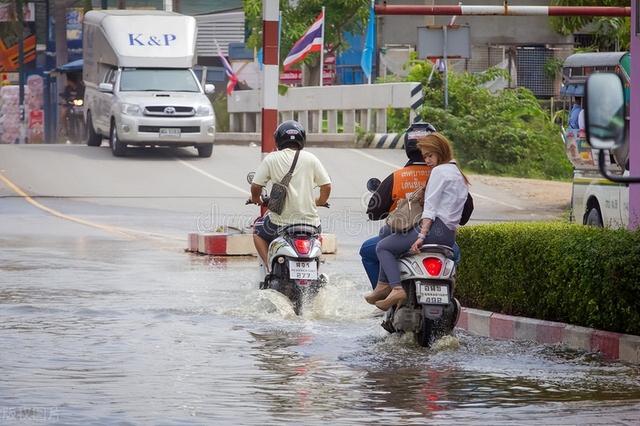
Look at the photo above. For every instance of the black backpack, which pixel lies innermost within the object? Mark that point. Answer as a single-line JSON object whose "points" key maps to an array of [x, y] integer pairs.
{"points": [[467, 210]]}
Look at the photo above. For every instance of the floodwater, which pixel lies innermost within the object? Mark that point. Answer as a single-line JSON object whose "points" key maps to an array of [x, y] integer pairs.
{"points": [[103, 331]]}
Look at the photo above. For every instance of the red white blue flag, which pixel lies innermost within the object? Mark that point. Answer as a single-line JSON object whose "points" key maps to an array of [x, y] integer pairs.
{"points": [[311, 41], [233, 78]]}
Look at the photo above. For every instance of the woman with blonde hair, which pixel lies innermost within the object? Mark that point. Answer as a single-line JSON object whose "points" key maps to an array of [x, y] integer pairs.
{"points": [[444, 199]]}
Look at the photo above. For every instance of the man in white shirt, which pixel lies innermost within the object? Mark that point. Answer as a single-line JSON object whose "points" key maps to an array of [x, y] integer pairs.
{"points": [[300, 206]]}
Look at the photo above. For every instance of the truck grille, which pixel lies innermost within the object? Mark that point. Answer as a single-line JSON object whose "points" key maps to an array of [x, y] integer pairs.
{"points": [[169, 111], [156, 129]]}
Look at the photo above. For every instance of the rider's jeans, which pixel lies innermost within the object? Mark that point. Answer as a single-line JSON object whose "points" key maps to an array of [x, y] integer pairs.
{"points": [[394, 245], [370, 259]]}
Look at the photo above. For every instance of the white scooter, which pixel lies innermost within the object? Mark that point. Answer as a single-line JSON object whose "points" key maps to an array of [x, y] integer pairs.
{"points": [[294, 261], [430, 310]]}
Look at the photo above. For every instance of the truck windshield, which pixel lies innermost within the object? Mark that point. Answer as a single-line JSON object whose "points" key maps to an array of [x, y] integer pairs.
{"points": [[164, 80]]}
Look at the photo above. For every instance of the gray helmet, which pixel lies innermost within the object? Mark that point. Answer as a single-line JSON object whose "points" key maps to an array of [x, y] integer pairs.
{"points": [[413, 132], [289, 132]]}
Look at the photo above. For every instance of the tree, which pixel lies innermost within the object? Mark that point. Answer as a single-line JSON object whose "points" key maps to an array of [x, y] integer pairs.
{"points": [[341, 16], [610, 33]]}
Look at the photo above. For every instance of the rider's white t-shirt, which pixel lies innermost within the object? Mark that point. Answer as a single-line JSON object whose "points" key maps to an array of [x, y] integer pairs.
{"points": [[300, 205]]}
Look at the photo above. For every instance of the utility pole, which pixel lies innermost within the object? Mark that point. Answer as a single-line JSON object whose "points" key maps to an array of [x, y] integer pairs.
{"points": [[62, 54], [20, 18]]}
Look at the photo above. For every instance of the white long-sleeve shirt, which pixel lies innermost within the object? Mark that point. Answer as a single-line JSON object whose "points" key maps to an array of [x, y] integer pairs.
{"points": [[445, 195]]}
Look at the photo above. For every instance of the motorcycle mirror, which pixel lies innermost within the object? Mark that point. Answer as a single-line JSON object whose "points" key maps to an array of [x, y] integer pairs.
{"points": [[605, 111], [373, 184], [250, 176]]}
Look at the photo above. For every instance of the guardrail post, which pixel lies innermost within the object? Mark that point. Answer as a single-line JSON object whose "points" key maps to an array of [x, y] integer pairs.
{"points": [[332, 121], [303, 118], [381, 121]]}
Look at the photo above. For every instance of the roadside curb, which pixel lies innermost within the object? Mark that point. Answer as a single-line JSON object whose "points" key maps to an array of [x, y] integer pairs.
{"points": [[612, 346], [228, 244]]}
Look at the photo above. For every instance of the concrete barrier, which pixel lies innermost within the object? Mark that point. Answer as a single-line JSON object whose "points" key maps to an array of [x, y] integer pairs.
{"points": [[227, 244], [612, 346]]}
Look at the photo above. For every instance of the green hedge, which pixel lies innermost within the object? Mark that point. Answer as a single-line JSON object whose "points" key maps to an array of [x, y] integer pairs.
{"points": [[553, 271]]}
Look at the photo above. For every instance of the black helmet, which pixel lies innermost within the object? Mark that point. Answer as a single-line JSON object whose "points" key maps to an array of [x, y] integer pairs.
{"points": [[290, 132], [413, 132]]}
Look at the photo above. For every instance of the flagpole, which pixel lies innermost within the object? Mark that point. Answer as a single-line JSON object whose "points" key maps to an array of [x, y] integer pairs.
{"points": [[324, 22], [371, 73]]}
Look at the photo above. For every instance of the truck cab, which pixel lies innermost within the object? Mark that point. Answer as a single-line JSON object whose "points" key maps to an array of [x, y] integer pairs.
{"points": [[140, 88]]}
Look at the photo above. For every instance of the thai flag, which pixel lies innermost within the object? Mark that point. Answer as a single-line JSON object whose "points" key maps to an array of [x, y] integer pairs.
{"points": [[233, 78], [311, 41]]}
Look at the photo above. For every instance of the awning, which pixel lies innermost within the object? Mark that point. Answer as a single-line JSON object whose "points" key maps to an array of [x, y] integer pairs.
{"points": [[71, 66]]}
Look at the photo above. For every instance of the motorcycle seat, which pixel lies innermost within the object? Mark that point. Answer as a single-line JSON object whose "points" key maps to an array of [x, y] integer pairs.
{"points": [[438, 248], [300, 229]]}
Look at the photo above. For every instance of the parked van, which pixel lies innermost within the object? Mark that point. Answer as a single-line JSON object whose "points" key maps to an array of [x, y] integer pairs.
{"points": [[595, 200], [140, 88]]}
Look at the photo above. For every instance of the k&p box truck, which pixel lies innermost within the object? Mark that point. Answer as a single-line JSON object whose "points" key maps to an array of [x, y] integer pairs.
{"points": [[140, 88]]}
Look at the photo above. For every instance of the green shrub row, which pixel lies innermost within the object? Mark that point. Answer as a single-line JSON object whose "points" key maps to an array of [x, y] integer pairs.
{"points": [[553, 271], [502, 133]]}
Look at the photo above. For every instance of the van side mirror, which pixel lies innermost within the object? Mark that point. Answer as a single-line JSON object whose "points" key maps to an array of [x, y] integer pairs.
{"points": [[209, 88], [605, 112], [605, 119], [105, 87]]}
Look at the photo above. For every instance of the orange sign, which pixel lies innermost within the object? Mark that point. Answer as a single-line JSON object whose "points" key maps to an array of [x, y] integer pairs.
{"points": [[9, 54]]}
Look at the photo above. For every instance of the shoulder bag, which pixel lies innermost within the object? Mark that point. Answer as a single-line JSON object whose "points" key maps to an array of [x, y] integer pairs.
{"points": [[278, 194]]}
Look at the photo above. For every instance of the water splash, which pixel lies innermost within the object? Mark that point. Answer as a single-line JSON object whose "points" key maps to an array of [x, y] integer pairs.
{"points": [[341, 300]]}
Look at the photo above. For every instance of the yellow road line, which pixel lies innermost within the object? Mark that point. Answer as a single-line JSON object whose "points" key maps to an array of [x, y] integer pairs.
{"points": [[127, 233]]}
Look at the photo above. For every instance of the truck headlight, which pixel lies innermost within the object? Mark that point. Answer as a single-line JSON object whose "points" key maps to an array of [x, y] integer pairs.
{"points": [[204, 111], [131, 109]]}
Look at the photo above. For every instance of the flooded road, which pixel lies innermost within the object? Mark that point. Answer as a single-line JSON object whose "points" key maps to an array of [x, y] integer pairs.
{"points": [[105, 331], [104, 319]]}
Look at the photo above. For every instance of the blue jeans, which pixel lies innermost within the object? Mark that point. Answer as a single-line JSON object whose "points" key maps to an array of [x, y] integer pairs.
{"points": [[372, 264]]}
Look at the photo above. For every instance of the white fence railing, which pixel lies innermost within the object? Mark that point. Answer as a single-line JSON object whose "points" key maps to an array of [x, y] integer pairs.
{"points": [[342, 107]]}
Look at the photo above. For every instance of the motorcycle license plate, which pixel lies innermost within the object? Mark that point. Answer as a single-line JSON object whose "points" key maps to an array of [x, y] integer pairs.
{"points": [[169, 133], [303, 270], [432, 294]]}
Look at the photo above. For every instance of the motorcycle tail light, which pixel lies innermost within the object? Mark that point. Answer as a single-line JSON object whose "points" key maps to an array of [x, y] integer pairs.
{"points": [[303, 246], [433, 265]]}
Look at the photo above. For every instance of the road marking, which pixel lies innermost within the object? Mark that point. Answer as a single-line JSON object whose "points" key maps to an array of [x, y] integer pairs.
{"points": [[215, 178], [493, 200], [124, 232], [473, 194], [386, 163]]}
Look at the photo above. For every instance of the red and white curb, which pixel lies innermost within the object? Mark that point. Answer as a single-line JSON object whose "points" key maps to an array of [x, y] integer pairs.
{"points": [[613, 346], [225, 244]]}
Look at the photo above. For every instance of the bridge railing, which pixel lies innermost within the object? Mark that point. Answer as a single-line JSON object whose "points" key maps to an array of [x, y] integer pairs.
{"points": [[331, 111]]}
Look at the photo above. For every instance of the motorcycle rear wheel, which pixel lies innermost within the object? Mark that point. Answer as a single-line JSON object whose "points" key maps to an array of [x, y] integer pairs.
{"points": [[425, 336]]}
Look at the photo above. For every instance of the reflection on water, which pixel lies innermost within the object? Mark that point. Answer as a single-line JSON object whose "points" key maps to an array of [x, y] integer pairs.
{"points": [[115, 332]]}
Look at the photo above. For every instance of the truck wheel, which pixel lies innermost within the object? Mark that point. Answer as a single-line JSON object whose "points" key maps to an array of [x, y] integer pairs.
{"points": [[118, 148], [594, 218], [93, 138], [205, 150]]}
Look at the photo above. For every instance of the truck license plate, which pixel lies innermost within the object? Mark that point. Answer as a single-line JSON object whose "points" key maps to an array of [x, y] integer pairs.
{"points": [[169, 132], [432, 294], [306, 270]]}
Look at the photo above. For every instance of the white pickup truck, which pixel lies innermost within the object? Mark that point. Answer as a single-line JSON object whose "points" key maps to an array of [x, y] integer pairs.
{"points": [[140, 88]]}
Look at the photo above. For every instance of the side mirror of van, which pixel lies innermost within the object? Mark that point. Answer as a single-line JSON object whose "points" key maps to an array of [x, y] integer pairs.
{"points": [[105, 87], [209, 89], [605, 119]]}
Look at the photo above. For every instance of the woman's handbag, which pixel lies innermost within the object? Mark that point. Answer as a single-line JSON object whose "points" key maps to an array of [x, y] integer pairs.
{"points": [[408, 212], [278, 194]]}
